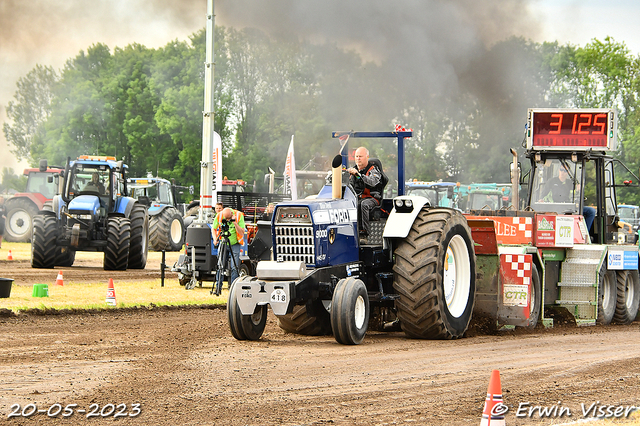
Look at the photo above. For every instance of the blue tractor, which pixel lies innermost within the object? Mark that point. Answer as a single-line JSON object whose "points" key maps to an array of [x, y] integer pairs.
{"points": [[166, 226], [91, 212], [415, 272]]}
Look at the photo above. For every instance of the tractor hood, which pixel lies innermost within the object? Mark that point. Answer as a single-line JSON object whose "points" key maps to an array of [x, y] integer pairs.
{"points": [[84, 204]]}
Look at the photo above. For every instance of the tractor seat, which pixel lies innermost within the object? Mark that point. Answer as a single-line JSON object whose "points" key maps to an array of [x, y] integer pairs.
{"points": [[376, 212]]}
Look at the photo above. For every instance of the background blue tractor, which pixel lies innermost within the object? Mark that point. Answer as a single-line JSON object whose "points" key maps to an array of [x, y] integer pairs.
{"points": [[166, 225], [91, 212]]}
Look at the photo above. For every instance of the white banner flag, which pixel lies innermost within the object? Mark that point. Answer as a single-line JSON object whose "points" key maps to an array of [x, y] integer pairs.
{"points": [[217, 167], [290, 183]]}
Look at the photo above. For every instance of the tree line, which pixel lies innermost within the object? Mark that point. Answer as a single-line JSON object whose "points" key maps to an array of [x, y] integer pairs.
{"points": [[145, 105]]}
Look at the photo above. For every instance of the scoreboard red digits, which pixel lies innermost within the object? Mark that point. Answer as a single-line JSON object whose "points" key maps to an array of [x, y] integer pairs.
{"points": [[570, 129]]}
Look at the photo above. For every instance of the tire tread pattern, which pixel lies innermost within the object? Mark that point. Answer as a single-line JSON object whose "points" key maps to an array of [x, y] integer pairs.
{"points": [[160, 230], [139, 247], [625, 314], [43, 244], [418, 274], [116, 254]]}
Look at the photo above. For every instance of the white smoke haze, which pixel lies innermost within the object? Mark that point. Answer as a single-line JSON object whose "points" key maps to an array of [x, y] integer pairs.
{"points": [[433, 42]]}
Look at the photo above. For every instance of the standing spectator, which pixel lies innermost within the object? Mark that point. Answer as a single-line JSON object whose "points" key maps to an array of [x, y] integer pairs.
{"points": [[235, 219]]}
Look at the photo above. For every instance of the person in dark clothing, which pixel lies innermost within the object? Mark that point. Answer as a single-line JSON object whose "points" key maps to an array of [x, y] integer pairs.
{"points": [[268, 213], [561, 190], [366, 179]]}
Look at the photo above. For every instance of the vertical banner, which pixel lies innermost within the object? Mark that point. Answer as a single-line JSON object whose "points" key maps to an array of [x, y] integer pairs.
{"points": [[216, 183], [290, 183]]}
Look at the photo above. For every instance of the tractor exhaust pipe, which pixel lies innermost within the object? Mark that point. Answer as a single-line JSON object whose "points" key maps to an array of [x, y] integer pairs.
{"points": [[336, 177], [515, 180]]}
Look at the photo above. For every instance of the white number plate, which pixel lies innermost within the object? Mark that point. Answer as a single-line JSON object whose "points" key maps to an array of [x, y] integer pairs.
{"points": [[278, 296]]}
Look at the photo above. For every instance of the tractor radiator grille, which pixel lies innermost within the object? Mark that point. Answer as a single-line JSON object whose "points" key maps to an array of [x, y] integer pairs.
{"points": [[294, 243]]}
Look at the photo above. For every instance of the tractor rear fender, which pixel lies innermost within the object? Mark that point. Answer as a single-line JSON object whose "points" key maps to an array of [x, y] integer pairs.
{"points": [[405, 210], [124, 206], [156, 209]]}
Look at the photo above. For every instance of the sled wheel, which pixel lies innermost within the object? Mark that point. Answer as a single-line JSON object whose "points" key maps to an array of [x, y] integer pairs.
{"points": [[628, 297], [607, 289]]}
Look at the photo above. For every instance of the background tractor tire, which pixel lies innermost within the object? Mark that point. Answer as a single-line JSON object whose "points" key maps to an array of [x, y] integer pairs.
{"points": [[43, 243], [19, 220], [350, 311], [301, 322], [628, 297], [167, 230], [139, 247], [65, 256], [245, 327], [434, 276], [607, 294], [116, 254]]}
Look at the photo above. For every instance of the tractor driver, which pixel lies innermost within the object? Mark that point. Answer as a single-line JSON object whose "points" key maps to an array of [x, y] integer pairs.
{"points": [[366, 179], [95, 184], [561, 190]]}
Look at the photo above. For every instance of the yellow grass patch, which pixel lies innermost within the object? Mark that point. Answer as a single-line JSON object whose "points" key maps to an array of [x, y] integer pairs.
{"points": [[92, 295]]}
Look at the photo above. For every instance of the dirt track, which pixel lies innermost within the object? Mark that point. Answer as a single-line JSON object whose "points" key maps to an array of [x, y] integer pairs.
{"points": [[183, 367]]}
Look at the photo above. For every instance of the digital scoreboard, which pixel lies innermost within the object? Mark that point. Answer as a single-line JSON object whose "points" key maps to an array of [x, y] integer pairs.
{"points": [[571, 129]]}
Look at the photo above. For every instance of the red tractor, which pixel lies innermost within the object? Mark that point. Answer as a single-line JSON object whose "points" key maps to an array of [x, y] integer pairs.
{"points": [[20, 209]]}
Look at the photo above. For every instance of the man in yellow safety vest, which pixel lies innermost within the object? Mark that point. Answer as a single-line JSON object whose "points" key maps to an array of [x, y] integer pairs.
{"points": [[235, 220]]}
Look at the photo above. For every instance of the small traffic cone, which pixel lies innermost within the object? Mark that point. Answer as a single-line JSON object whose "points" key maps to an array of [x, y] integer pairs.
{"points": [[111, 294], [494, 409], [59, 280], [9, 256]]}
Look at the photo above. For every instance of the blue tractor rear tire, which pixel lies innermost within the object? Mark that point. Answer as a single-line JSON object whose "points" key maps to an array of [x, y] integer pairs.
{"points": [[43, 241], [116, 254], [139, 248]]}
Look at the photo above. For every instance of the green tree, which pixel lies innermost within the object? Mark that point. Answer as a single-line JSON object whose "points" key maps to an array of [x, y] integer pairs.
{"points": [[11, 181], [30, 110]]}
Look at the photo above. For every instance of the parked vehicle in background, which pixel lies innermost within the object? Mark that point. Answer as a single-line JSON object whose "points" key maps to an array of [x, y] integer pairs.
{"points": [[91, 212], [166, 226], [630, 214], [492, 196], [21, 207], [439, 194]]}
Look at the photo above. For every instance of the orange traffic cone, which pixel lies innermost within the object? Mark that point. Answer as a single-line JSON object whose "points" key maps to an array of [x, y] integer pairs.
{"points": [[10, 256], [59, 280], [111, 294], [494, 409]]}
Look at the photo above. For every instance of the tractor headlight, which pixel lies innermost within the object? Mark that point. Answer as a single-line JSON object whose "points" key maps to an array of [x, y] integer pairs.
{"points": [[403, 205]]}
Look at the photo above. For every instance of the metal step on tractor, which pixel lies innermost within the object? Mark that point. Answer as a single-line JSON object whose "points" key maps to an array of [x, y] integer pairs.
{"points": [[91, 212], [166, 225], [428, 270]]}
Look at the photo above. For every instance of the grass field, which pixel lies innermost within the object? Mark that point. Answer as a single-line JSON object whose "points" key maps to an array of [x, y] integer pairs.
{"points": [[92, 295]]}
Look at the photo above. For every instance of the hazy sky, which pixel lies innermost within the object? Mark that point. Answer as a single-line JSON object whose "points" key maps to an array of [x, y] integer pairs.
{"points": [[49, 32]]}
